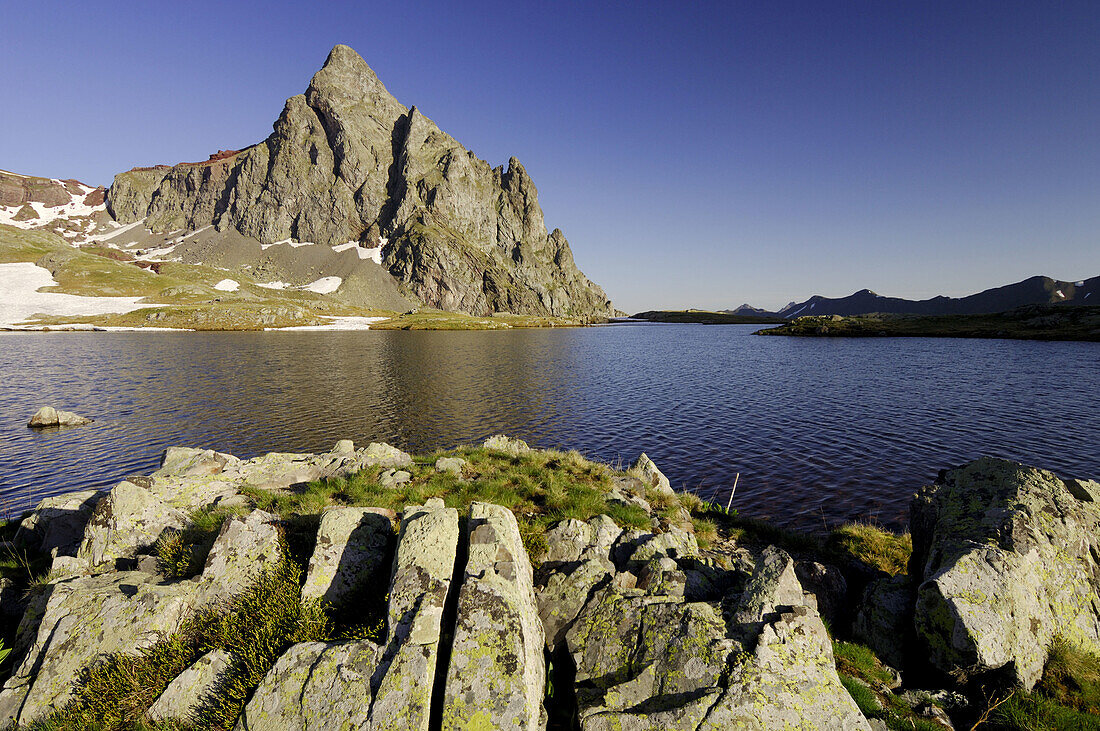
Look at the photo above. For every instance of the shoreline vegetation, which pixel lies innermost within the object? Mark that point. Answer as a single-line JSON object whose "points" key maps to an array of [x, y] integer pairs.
{"points": [[1032, 322], [579, 525]]}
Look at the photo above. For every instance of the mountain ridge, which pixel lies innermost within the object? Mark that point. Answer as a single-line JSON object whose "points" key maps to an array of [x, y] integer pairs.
{"points": [[1036, 290]]}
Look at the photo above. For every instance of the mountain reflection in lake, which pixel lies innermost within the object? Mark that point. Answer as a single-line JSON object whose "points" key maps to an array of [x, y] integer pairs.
{"points": [[820, 429]]}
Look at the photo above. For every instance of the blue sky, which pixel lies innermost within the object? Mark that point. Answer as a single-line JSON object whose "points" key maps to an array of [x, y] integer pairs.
{"points": [[695, 154]]}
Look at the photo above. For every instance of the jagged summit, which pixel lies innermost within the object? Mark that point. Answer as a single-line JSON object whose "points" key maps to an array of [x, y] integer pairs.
{"points": [[348, 162]]}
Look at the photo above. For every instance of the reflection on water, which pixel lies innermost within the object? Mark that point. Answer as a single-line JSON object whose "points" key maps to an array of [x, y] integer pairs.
{"points": [[820, 430]]}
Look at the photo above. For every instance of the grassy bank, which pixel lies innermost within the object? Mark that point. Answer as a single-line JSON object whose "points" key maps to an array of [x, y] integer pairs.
{"points": [[439, 320], [1034, 322]]}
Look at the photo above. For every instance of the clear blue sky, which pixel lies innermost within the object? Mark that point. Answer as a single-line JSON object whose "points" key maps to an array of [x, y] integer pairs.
{"points": [[695, 154]]}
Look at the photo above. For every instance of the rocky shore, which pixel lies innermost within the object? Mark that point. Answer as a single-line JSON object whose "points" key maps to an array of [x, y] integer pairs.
{"points": [[504, 587]]}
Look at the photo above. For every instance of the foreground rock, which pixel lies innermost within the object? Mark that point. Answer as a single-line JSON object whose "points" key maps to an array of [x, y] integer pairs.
{"points": [[49, 416], [1005, 558]]}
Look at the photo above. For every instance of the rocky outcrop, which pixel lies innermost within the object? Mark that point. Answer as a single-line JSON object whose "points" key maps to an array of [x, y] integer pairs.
{"points": [[56, 525], [1005, 558], [49, 416], [185, 693], [352, 546], [348, 162]]}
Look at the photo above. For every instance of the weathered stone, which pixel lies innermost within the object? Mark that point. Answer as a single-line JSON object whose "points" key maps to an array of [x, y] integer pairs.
{"points": [[1004, 559], [422, 576], [245, 547], [774, 584], [571, 540], [344, 446], [184, 694], [454, 465], [661, 576], [187, 462], [83, 619], [827, 584], [128, 519], [788, 681], [384, 455], [48, 416], [501, 443], [315, 686], [653, 476], [674, 543], [1085, 490], [57, 523], [279, 470], [884, 618], [393, 478], [628, 490], [352, 547], [497, 677], [564, 592]]}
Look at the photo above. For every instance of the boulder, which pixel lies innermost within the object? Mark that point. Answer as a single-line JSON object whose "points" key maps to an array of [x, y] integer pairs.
{"points": [[393, 478], [187, 462], [652, 476], [184, 694], [884, 618], [507, 445], [384, 455], [245, 547], [674, 543], [82, 619], [454, 465], [353, 545], [48, 416], [315, 685], [57, 523], [128, 519], [279, 470], [827, 584], [422, 574], [628, 490], [496, 678], [572, 539], [1004, 557], [344, 446]]}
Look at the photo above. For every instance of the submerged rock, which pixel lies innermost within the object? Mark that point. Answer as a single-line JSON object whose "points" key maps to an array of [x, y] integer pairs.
{"points": [[1004, 556]]}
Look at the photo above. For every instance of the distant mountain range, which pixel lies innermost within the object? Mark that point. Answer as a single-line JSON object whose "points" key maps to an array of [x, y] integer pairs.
{"points": [[1031, 291]]}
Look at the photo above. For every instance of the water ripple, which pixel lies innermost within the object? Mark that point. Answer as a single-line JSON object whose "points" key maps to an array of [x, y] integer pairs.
{"points": [[820, 430]]}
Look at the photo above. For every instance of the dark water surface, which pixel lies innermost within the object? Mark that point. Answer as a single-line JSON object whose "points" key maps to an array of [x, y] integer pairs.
{"points": [[820, 429]]}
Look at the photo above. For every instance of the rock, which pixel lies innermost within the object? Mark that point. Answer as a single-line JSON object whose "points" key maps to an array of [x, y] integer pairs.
{"points": [[563, 593], [187, 462], [245, 547], [501, 443], [571, 540], [884, 618], [57, 523], [353, 545], [422, 574], [653, 476], [774, 584], [828, 586], [344, 446], [315, 685], [277, 470], [454, 465], [1085, 490], [627, 490], [393, 478], [661, 576], [1004, 559], [496, 678], [674, 543], [48, 416], [82, 619], [128, 519], [183, 695], [382, 454]]}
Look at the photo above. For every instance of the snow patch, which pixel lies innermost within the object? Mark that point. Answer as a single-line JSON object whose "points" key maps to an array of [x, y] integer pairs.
{"points": [[337, 323], [227, 285], [117, 232], [292, 242], [324, 285], [1079, 284], [374, 254], [1059, 293], [273, 285], [20, 298]]}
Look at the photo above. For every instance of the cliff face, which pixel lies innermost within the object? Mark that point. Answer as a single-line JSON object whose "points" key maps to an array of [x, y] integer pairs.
{"points": [[348, 162]]}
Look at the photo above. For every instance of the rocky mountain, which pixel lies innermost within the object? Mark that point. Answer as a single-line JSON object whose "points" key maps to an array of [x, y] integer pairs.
{"points": [[347, 164], [1031, 291]]}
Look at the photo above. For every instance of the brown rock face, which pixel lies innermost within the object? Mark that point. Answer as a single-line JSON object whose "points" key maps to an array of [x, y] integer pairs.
{"points": [[17, 190], [348, 162]]}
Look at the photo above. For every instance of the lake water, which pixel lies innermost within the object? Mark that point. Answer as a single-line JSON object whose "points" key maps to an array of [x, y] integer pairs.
{"points": [[821, 430]]}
